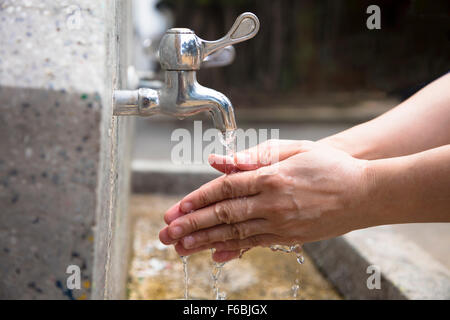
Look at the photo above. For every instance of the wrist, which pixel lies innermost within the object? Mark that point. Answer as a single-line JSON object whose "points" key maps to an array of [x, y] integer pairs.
{"points": [[355, 142], [365, 197], [349, 146], [387, 184]]}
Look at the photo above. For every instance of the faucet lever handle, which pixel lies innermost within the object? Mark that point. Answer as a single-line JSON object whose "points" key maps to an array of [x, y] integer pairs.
{"points": [[220, 58], [245, 27]]}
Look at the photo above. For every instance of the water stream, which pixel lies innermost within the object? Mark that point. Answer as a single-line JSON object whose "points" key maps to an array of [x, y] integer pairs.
{"points": [[184, 259], [297, 249], [228, 140]]}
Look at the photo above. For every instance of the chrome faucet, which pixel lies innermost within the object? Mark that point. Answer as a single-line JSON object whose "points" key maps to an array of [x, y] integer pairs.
{"points": [[181, 54]]}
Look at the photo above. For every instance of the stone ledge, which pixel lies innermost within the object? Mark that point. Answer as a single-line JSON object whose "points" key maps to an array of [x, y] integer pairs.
{"points": [[407, 271], [167, 178]]}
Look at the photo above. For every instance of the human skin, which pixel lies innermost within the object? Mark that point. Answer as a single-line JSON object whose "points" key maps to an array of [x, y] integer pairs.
{"points": [[318, 190]]}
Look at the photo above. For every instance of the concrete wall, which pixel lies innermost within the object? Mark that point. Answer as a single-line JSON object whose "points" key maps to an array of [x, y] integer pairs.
{"points": [[63, 185]]}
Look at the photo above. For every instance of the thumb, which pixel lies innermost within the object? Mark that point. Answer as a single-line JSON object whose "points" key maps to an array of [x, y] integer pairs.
{"points": [[264, 154]]}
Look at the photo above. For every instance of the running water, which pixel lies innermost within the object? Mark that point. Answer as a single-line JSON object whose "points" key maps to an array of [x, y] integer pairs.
{"points": [[297, 249], [217, 270], [228, 140], [184, 259]]}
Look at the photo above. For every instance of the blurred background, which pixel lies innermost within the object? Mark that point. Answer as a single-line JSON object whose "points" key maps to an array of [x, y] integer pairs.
{"points": [[313, 69], [307, 47]]}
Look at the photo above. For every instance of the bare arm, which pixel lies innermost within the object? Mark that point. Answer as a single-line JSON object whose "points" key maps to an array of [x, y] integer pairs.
{"points": [[414, 188], [420, 123]]}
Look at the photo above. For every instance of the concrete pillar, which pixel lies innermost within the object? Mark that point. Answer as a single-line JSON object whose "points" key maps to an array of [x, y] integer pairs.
{"points": [[64, 159]]}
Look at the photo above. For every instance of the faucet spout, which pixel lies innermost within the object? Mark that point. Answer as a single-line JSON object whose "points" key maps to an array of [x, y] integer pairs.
{"points": [[192, 98], [181, 96], [222, 112]]}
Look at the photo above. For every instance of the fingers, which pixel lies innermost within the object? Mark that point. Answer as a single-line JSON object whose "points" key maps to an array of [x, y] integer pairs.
{"points": [[223, 164], [225, 232], [250, 242], [241, 184], [264, 154], [173, 213], [182, 251], [223, 212], [165, 238], [222, 256]]}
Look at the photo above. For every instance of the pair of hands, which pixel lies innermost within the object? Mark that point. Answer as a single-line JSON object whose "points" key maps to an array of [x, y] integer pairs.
{"points": [[311, 192]]}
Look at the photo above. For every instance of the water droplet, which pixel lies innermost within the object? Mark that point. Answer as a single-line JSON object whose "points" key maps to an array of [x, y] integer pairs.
{"points": [[295, 289]]}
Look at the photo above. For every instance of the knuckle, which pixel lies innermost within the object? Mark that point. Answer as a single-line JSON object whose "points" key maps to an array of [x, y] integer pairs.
{"points": [[252, 184], [227, 187], [203, 197], [245, 206], [271, 181], [239, 231], [193, 223], [223, 211], [204, 237]]}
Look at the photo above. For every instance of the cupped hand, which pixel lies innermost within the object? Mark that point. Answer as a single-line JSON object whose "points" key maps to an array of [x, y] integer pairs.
{"points": [[313, 192]]}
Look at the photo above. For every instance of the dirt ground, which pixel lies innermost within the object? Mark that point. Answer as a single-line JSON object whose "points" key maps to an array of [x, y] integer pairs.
{"points": [[156, 271]]}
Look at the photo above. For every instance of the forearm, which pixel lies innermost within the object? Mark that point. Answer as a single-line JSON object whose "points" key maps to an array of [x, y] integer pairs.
{"points": [[409, 189], [420, 123]]}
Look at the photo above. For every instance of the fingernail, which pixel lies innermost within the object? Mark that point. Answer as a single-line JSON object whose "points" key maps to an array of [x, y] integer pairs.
{"points": [[186, 207], [188, 242], [176, 232]]}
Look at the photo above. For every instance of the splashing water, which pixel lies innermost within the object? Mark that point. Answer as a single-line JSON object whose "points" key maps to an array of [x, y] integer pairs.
{"points": [[184, 259], [228, 140], [215, 274], [297, 249]]}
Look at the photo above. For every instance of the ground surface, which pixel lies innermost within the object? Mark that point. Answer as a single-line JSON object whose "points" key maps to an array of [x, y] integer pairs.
{"points": [[156, 270]]}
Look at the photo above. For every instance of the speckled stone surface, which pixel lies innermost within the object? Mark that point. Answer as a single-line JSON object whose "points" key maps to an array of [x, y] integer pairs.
{"points": [[60, 173]]}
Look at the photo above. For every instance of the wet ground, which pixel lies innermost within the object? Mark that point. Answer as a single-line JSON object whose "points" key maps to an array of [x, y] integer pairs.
{"points": [[156, 271]]}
